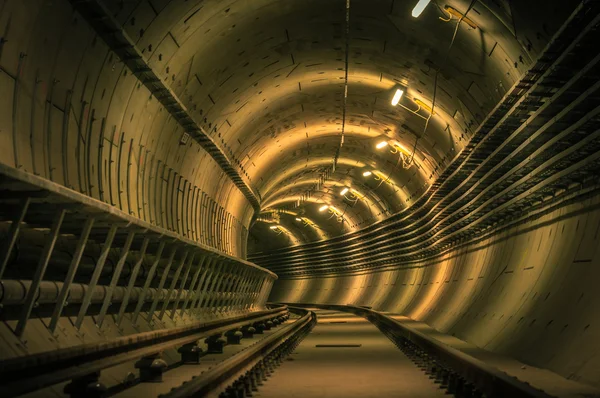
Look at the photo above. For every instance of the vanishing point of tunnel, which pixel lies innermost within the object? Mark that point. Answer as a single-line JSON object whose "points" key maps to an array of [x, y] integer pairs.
{"points": [[299, 198]]}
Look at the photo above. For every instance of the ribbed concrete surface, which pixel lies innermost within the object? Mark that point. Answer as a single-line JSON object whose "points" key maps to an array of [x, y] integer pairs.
{"points": [[375, 369], [530, 292]]}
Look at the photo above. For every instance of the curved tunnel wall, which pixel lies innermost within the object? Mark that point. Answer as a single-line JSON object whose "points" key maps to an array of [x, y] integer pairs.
{"points": [[529, 292], [73, 113]]}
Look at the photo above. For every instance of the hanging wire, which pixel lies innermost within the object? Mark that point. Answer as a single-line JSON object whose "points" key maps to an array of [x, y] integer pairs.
{"points": [[435, 80], [407, 163], [344, 106]]}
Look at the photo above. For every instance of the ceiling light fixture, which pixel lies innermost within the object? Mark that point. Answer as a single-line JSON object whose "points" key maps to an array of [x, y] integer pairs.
{"points": [[382, 144], [419, 8], [367, 173], [298, 219], [323, 208], [273, 227], [397, 97], [344, 191]]}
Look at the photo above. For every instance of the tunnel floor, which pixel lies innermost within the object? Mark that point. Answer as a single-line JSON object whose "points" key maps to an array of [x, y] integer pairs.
{"points": [[347, 356]]}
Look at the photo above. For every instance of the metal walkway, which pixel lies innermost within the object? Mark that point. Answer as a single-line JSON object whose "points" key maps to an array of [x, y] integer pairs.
{"points": [[153, 270]]}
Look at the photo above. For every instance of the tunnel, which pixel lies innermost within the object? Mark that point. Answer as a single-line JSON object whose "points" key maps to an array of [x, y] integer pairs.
{"points": [[316, 198]]}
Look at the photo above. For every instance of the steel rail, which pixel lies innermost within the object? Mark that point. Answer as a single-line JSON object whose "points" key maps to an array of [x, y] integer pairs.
{"points": [[464, 369], [49, 368], [222, 373]]}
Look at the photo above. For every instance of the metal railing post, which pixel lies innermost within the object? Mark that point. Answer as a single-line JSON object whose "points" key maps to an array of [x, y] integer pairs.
{"points": [[64, 291], [39, 272], [87, 299], [146, 286], [115, 279]]}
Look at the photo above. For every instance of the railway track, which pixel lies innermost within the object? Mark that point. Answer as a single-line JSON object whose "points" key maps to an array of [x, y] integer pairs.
{"points": [[329, 362], [238, 357], [81, 365]]}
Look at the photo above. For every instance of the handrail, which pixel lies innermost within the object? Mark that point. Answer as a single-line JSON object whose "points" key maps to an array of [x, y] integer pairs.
{"points": [[68, 195]]}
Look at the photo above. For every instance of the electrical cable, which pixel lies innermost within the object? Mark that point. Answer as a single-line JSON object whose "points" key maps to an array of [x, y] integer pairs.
{"points": [[345, 103], [435, 80]]}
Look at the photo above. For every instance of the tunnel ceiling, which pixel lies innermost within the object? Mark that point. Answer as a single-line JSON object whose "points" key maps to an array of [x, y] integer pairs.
{"points": [[266, 80]]}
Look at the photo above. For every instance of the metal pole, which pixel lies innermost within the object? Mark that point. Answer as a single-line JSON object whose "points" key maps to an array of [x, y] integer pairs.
{"points": [[240, 293], [221, 277], [251, 288], [149, 278], [62, 296], [39, 273], [214, 302], [236, 279], [13, 233], [227, 289], [201, 284], [184, 279], [259, 291], [243, 289], [213, 278], [172, 286], [192, 288], [95, 276], [132, 279], [263, 291], [115, 279], [161, 284]]}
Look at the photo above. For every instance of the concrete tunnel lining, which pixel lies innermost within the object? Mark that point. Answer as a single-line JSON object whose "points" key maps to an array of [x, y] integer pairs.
{"points": [[264, 80]]}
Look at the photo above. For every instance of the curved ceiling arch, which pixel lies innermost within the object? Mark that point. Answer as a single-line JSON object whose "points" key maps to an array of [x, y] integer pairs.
{"points": [[391, 182], [358, 189], [357, 201], [375, 76], [265, 77], [344, 217]]}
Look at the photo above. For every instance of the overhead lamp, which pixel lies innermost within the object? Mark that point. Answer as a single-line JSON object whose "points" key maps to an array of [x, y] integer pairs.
{"points": [[397, 97], [419, 8], [298, 219], [344, 191], [323, 208], [367, 173], [273, 227], [382, 144]]}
